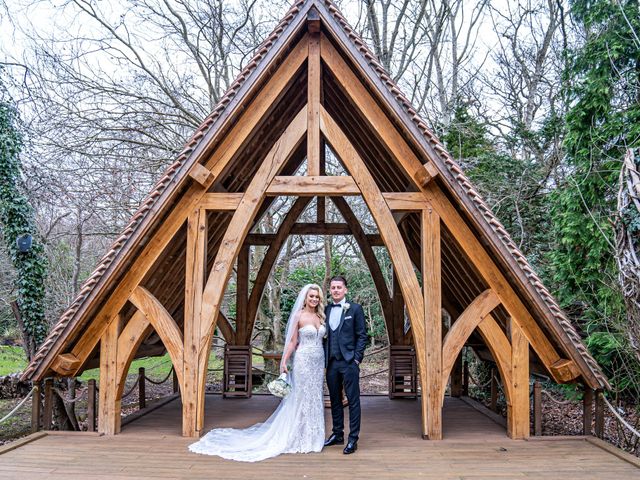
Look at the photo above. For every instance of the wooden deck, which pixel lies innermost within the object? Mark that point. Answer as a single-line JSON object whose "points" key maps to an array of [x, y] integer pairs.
{"points": [[390, 447]]}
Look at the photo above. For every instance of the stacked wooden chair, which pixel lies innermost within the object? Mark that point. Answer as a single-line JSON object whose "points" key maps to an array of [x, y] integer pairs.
{"points": [[403, 372], [237, 381]]}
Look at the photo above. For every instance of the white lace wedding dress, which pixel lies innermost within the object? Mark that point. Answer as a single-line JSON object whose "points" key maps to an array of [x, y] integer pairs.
{"points": [[297, 425]]}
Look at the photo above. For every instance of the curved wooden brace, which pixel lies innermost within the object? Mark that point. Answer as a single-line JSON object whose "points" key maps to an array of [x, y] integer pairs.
{"points": [[163, 324], [129, 341], [226, 329], [500, 349], [393, 241], [370, 258], [463, 327], [271, 256]]}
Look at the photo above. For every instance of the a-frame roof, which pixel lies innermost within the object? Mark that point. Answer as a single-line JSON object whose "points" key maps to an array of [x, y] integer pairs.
{"points": [[368, 70]]}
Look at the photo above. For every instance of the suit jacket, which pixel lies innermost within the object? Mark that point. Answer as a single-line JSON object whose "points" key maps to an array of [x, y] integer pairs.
{"points": [[351, 331]]}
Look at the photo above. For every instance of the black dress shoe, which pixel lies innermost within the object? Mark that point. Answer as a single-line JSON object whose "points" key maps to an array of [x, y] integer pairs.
{"points": [[334, 440], [350, 448]]}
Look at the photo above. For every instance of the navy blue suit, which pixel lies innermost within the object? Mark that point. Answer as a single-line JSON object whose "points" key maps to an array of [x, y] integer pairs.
{"points": [[342, 366]]}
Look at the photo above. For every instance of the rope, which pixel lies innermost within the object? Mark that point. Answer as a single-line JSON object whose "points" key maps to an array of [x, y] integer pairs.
{"points": [[265, 372], [559, 402], [132, 387], [619, 417], [477, 384], [162, 381], [79, 395], [375, 352], [375, 373], [8, 415]]}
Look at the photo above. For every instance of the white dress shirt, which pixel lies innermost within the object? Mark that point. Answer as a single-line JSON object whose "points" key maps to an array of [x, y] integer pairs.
{"points": [[336, 314]]}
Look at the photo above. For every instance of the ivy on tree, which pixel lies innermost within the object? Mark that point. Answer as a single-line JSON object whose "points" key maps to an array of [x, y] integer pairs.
{"points": [[16, 218]]}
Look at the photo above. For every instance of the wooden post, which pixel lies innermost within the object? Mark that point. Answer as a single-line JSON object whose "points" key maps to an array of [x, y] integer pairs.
{"points": [[587, 409], [456, 377], [142, 394], [194, 285], [518, 413], [109, 405], [465, 379], [176, 386], [396, 335], [314, 87], [494, 391], [599, 414], [433, 389], [537, 408], [36, 407], [91, 405], [242, 296], [47, 416]]}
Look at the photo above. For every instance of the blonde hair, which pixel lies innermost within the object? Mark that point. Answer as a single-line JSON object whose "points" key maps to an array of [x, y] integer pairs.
{"points": [[320, 306]]}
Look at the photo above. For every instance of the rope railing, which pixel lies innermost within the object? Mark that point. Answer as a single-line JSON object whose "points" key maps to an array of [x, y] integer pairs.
{"points": [[375, 373], [17, 407], [161, 381], [478, 384], [125, 395], [619, 417], [555, 400], [66, 399]]}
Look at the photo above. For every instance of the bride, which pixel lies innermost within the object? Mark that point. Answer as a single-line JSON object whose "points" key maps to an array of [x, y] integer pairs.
{"points": [[297, 425]]}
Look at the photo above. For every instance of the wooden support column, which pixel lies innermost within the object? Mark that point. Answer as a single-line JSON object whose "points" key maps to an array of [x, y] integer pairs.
{"points": [[142, 390], [109, 404], [396, 334], [518, 414], [242, 297], [36, 407], [432, 384], [456, 377], [494, 391], [91, 405], [587, 408], [194, 285], [537, 408], [599, 414], [313, 100], [47, 416], [465, 379]]}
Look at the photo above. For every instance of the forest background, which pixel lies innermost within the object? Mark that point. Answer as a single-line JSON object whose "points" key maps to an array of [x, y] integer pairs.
{"points": [[538, 100]]}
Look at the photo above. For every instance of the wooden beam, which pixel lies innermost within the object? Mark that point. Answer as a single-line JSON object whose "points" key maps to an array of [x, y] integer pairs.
{"points": [[314, 85], [133, 334], [565, 370], [196, 261], [500, 349], [242, 297], [109, 405], [200, 174], [229, 145], [492, 275], [311, 186], [220, 201], [226, 329], [266, 239], [518, 413], [425, 173], [405, 201], [378, 120], [243, 218], [163, 324], [369, 257], [65, 364], [271, 256], [432, 385], [386, 225], [462, 328], [313, 21]]}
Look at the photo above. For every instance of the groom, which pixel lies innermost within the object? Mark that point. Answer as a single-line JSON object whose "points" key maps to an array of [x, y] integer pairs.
{"points": [[344, 350]]}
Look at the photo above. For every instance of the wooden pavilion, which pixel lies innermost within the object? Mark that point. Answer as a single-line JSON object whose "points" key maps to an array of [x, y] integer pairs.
{"points": [[314, 83]]}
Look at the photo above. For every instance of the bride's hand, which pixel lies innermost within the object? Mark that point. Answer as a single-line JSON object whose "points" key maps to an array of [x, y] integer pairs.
{"points": [[283, 368]]}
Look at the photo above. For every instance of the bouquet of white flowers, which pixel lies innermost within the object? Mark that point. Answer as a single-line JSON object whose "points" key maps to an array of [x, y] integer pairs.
{"points": [[280, 387]]}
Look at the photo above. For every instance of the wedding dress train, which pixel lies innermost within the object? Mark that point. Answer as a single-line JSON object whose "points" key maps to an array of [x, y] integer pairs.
{"points": [[296, 426]]}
